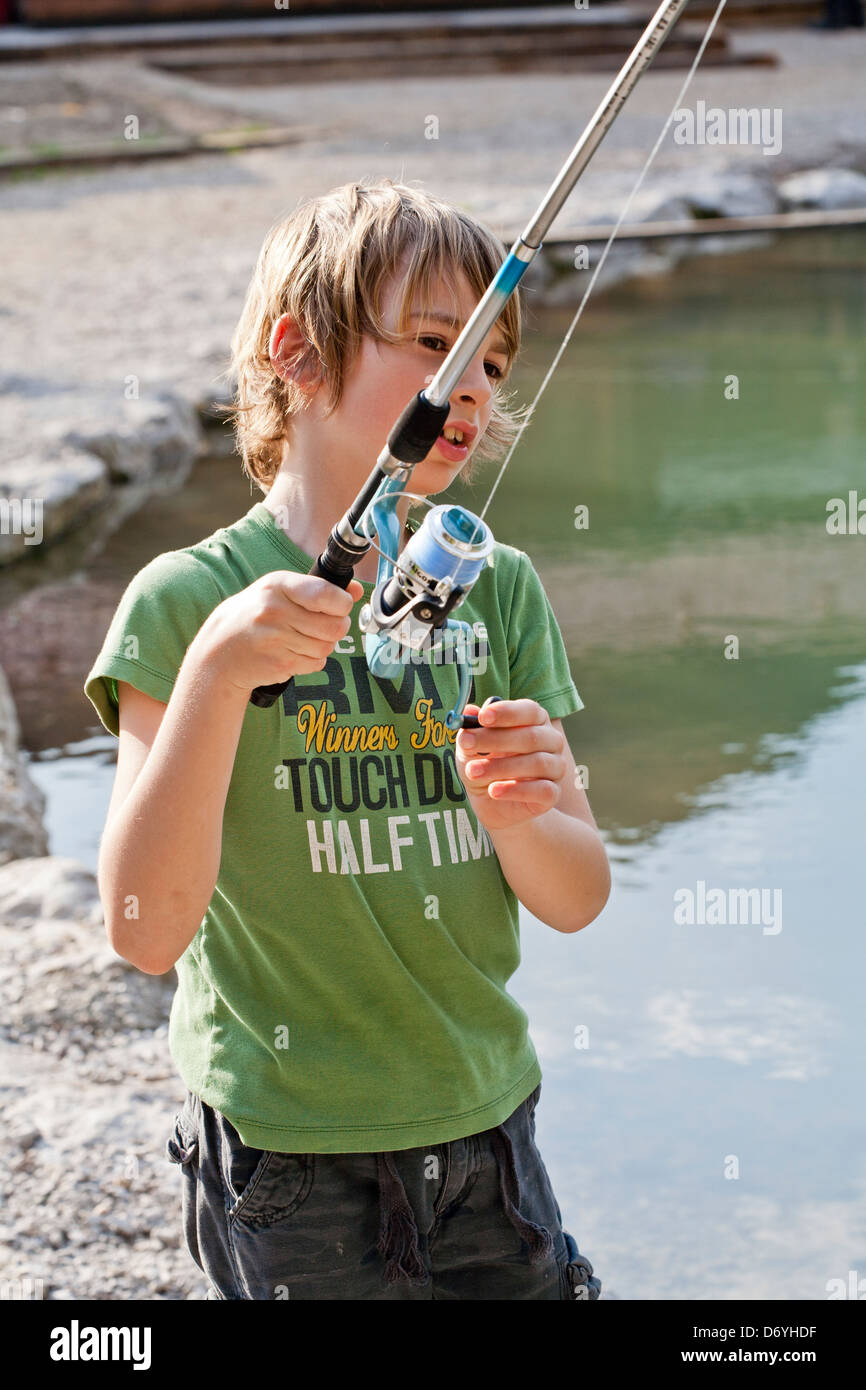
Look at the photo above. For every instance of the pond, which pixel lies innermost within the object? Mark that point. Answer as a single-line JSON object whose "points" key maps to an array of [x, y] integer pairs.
{"points": [[701, 1114]]}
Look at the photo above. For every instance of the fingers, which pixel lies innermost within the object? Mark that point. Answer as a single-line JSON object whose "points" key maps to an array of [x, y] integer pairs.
{"points": [[525, 738], [310, 646], [518, 756], [319, 626], [542, 794], [542, 766], [510, 713], [317, 594], [315, 607]]}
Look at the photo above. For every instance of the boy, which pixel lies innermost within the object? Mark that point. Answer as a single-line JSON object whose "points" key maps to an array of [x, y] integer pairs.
{"points": [[336, 878]]}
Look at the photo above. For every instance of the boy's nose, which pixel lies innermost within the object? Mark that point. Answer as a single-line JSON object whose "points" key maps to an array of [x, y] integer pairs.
{"points": [[475, 384]]}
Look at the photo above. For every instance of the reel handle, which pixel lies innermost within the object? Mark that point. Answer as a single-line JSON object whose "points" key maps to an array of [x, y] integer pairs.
{"points": [[264, 695], [470, 721]]}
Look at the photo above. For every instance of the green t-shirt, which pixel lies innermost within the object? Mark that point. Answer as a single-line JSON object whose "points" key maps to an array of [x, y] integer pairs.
{"points": [[346, 990]]}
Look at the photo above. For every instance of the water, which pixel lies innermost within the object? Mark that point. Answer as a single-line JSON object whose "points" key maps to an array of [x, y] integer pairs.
{"points": [[707, 1140]]}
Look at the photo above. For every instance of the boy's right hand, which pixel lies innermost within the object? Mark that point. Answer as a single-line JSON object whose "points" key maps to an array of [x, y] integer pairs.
{"points": [[283, 625]]}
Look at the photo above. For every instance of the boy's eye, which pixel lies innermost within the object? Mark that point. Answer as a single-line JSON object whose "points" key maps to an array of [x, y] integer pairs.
{"points": [[438, 344]]}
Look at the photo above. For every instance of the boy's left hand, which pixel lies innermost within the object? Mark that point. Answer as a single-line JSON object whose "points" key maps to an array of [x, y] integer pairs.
{"points": [[516, 770]]}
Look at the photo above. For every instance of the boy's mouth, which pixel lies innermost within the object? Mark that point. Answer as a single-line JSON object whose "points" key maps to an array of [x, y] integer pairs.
{"points": [[456, 439]]}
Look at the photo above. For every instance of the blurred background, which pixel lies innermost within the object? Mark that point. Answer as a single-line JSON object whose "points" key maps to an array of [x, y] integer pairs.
{"points": [[699, 1114]]}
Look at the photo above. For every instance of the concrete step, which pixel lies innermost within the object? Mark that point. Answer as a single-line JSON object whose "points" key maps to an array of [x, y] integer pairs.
{"points": [[241, 13], [602, 46], [537, 31], [559, 49]]}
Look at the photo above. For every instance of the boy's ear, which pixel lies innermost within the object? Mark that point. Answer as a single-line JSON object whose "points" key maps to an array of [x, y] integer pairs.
{"points": [[286, 350]]}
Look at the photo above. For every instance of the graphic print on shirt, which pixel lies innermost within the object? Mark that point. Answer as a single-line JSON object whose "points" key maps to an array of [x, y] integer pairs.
{"points": [[407, 761]]}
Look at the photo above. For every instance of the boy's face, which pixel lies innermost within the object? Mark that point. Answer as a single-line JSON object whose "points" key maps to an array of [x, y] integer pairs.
{"points": [[384, 377]]}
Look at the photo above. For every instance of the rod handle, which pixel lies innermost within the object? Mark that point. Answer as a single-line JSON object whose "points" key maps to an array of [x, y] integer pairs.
{"points": [[264, 695]]}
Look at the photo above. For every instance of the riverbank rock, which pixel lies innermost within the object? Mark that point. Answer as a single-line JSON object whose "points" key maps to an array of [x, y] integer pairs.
{"points": [[675, 198], [828, 189], [727, 193], [78, 462], [40, 888], [147, 439], [45, 493], [22, 803]]}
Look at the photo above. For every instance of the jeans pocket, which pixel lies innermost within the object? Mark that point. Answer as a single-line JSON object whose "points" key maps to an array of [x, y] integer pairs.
{"points": [[182, 1145], [263, 1186]]}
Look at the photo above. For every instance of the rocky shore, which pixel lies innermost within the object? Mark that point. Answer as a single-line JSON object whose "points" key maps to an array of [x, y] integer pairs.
{"points": [[118, 305], [90, 1202]]}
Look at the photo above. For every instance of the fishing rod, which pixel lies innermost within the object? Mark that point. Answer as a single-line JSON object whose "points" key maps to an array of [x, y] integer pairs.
{"points": [[417, 590]]}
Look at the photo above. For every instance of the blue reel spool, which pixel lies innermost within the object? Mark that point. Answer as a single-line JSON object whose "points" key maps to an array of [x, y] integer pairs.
{"points": [[448, 551]]}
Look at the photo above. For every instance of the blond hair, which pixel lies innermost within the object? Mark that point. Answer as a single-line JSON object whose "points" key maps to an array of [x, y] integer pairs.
{"points": [[326, 265]]}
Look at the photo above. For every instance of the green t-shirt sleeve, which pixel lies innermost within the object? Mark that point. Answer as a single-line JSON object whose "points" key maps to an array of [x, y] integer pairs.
{"points": [[536, 652], [159, 614]]}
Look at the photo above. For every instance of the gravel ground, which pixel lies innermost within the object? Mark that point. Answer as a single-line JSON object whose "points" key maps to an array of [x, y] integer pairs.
{"points": [[91, 1203]]}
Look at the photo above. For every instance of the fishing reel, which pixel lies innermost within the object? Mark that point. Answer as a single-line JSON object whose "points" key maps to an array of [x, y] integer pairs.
{"points": [[417, 590]]}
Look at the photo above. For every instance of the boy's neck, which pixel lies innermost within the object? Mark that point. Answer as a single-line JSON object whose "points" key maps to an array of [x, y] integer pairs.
{"points": [[308, 519]]}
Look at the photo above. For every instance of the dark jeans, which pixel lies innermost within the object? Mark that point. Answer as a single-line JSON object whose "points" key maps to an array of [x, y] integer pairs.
{"points": [[475, 1218]]}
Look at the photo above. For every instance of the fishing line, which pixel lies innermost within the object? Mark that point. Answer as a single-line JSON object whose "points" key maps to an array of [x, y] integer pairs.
{"points": [[362, 528], [416, 588], [652, 154]]}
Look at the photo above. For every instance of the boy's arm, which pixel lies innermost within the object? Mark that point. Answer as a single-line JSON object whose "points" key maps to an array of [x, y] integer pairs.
{"points": [[160, 853]]}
